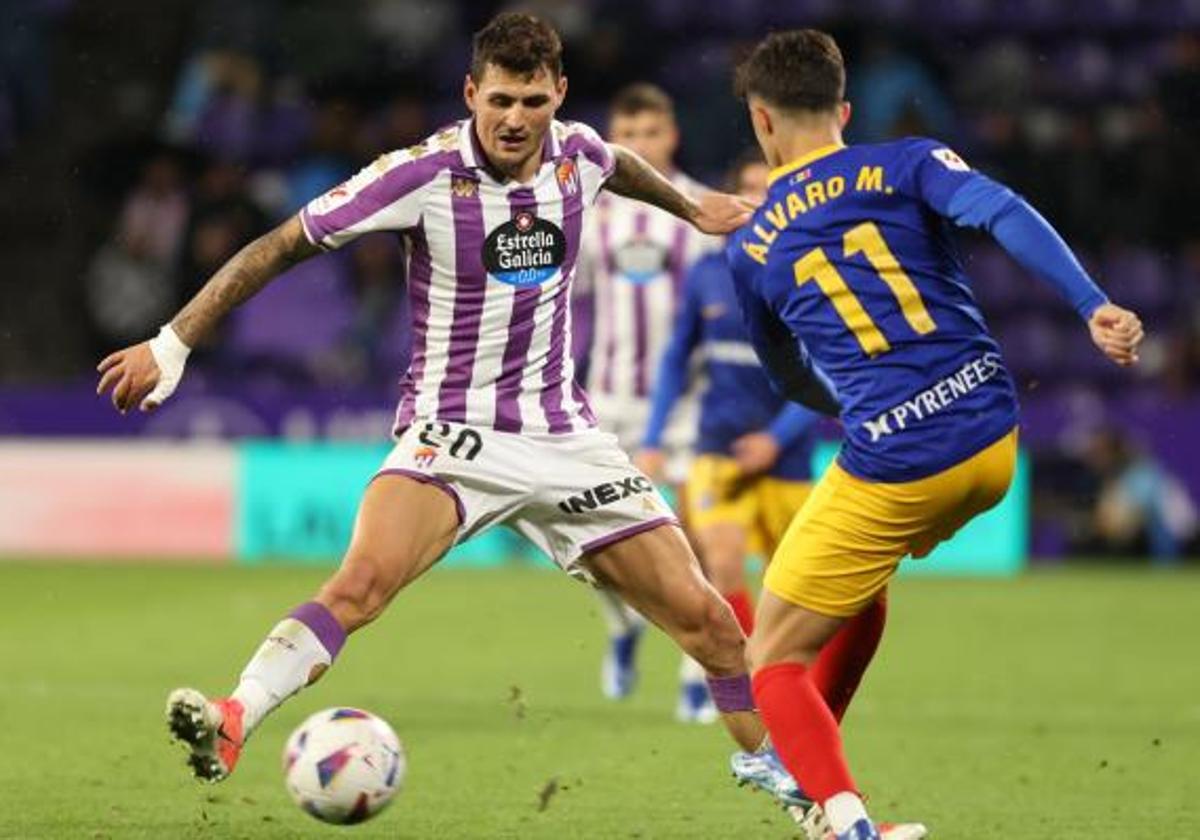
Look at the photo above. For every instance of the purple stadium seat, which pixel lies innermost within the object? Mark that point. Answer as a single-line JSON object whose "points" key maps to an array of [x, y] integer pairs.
{"points": [[995, 279], [395, 348], [1032, 346], [297, 317], [1082, 69], [1139, 278]]}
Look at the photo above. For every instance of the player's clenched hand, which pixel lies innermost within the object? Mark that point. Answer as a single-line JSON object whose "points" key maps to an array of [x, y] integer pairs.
{"points": [[721, 212], [1117, 332], [652, 462], [131, 374], [756, 452], [145, 374]]}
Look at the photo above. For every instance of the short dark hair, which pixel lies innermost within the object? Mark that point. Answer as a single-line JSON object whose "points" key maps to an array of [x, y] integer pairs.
{"points": [[800, 70], [519, 43], [639, 97]]}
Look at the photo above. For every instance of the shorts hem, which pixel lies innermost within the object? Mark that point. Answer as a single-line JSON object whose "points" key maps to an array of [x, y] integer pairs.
{"points": [[924, 470], [433, 480], [819, 608], [625, 533]]}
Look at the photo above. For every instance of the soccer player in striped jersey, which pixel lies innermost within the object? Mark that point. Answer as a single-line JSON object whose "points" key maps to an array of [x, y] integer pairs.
{"points": [[633, 260], [490, 427], [856, 300]]}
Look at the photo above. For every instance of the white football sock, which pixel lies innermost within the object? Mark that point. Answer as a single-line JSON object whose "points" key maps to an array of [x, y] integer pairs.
{"points": [[843, 810], [619, 617], [285, 662]]}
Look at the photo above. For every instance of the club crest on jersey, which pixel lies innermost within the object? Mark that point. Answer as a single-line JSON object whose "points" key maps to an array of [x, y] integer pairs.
{"points": [[568, 176], [463, 187], [524, 251]]}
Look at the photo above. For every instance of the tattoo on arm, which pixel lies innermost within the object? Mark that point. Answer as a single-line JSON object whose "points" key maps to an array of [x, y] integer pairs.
{"points": [[634, 178], [245, 274]]}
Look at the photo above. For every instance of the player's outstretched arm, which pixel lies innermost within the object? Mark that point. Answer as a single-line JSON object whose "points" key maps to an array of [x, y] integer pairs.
{"points": [[713, 212], [1036, 245], [146, 374], [971, 199]]}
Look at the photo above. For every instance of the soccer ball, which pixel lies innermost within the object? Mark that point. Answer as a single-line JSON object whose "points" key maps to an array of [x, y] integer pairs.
{"points": [[343, 766]]}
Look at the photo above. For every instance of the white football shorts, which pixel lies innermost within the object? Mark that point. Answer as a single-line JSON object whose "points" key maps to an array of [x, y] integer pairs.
{"points": [[569, 494]]}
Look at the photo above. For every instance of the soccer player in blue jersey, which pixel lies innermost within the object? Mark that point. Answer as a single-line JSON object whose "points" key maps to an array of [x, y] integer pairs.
{"points": [[857, 303], [751, 470]]}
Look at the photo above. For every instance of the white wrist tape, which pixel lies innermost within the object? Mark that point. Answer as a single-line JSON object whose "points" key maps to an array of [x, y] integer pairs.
{"points": [[170, 354]]}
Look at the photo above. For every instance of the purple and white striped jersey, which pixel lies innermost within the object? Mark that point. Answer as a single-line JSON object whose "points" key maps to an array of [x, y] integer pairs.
{"points": [[490, 267], [635, 258]]}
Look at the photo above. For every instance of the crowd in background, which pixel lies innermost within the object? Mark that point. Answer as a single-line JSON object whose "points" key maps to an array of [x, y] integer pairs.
{"points": [[1094, 118]]}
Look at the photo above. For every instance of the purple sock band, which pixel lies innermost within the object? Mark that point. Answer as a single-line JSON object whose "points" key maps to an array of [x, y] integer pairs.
{"points": [[324, 626], [732, 694]]}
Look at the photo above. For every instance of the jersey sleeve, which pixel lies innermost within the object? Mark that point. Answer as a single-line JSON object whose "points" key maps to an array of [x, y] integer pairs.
{"points": [[945, 183], [673, 369], [791, 423], [593, 156], [386, 195]]}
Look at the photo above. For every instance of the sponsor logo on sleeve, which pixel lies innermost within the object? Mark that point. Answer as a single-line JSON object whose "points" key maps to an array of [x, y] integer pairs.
{"points": [[950, 160], [524, 251]]}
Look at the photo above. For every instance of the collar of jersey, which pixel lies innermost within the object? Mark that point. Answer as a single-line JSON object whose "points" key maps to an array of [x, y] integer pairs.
{"points": [[474, 158], [804, 160]]}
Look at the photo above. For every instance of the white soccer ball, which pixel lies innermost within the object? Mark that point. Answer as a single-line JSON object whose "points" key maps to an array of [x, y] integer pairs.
{"points": [[343, 766]]}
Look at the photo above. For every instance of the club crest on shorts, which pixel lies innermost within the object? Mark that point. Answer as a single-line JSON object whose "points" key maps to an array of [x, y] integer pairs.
{"points": [[425, 456]]}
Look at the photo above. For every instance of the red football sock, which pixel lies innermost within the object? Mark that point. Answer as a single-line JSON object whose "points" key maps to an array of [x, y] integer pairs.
{"points": [[743, 608], [803, 730], [841, 665]]}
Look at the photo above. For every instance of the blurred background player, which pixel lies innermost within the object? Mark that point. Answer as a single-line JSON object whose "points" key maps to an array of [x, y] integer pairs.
{"points": [[753, 456], [632, 264], [850, 259]]}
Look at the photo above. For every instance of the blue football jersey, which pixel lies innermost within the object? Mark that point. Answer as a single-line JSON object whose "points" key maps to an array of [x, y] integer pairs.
{"points": [[738, 398], [852, 251]]}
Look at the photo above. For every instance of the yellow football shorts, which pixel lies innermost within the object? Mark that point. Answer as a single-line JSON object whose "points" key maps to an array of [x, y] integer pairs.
{"points": [[717, 493], [847, 541]]}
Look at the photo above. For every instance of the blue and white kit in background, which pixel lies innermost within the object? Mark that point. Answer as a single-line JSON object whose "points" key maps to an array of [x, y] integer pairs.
{"points": [[633, 262], [489, 409]]}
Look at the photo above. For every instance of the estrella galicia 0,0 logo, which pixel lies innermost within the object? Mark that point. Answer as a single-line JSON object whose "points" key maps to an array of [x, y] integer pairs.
{"points": [[524, 251]]}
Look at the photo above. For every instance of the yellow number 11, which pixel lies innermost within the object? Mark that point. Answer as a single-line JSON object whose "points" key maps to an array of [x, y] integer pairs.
{"points": [[865, 239]]}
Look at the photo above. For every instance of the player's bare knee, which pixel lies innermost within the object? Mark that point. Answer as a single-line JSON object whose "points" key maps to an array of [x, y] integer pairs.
{"points": [[719, 644], [765, 648], [357, 593]]}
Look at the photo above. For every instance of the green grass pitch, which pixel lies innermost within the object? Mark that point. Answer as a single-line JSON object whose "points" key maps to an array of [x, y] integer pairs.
{"points": [[1059, 705]]}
